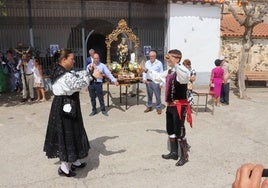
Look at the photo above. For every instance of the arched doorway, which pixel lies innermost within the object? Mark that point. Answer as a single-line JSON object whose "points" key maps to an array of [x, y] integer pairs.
{"points": [[98, 30], [96, 41]]}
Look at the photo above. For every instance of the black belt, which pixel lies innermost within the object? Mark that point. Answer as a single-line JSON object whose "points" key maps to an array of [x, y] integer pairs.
{"points": [[28, 74], [149, 80]]}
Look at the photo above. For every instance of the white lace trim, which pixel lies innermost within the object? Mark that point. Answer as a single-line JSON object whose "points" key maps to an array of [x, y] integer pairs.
{"points": [[71, 82]]}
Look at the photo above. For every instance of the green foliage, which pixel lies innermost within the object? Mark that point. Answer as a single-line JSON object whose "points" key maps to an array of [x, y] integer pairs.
{"points": [[2, 6]]}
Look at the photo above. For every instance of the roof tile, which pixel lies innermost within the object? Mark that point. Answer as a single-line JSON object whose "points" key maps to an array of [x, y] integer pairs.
{"points": [[231, 28], [204, 1]]}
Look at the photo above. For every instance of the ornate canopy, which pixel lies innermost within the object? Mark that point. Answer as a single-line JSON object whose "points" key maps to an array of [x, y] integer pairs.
{"points": [[121, 28]]}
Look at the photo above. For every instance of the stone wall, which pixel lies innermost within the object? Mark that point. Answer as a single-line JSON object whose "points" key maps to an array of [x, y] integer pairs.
{"points": [[258, 58]]}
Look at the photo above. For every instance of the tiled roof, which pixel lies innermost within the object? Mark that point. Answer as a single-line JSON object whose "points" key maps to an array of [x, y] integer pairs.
{"points": [[231, 28], [203, 1]]}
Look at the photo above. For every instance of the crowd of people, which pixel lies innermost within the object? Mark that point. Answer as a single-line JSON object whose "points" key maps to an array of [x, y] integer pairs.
{"points": [[21, 73], [9, 74]]}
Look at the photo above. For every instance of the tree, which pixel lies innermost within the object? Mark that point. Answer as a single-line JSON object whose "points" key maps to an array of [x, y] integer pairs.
{"points": [[254, 11]]}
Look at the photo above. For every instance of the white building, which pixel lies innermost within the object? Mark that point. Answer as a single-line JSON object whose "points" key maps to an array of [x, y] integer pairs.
{"points": [[194, 28]]}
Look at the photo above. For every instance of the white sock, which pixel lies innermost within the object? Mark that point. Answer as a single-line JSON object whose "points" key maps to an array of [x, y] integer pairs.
{"points": [[172, 136], [77, 163], [64, 167]]}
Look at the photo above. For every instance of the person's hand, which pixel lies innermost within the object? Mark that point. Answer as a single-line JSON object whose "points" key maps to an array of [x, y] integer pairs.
{"points": [[90, 67], [144, 70], [97, 74], [145, 81], [249, 176], [116, 83]]}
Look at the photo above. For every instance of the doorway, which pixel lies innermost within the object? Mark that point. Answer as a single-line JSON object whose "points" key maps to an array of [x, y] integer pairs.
{"points": [[97, 42]]}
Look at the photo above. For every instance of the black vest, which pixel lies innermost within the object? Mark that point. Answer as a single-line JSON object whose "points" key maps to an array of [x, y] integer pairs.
{"points": [[174, 90]]}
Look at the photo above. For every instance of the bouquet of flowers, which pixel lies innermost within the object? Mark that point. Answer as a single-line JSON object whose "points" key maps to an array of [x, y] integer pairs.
{"points": [[116, 67]]}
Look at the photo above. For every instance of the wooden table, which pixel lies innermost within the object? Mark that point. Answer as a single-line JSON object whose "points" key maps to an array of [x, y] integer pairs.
{"points": [[126, 83], [203, 93]]}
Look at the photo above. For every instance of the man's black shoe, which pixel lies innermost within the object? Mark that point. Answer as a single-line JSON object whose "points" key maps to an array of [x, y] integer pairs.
{"points": [[23, 100], [82, 165], [181, 162], [105, 113], [171, 155], [62, 173], [92, 113]]}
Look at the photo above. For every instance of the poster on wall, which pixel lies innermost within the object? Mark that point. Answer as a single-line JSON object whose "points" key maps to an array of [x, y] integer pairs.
{"points": [[53, 49], [146, 50]]}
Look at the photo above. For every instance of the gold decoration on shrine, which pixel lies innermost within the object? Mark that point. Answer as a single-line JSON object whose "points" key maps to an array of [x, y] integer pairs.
{"points": [[122, 28]]}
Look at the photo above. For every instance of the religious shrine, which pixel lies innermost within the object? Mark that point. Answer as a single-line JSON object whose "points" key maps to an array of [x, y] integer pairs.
{"points": [[122, 54]]}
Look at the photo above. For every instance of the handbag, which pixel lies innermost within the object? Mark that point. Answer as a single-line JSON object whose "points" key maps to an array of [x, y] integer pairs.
{"points": [[69, 107], [211, 85]]}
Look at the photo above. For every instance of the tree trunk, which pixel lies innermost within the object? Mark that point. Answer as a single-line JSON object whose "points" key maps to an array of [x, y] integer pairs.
{"points": [[247, 44], [241, 73], [250, 21]]}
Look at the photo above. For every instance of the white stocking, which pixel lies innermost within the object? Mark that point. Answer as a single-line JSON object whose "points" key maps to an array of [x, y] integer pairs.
{"points": [[172, 136], [64, 167], [77, 163]]}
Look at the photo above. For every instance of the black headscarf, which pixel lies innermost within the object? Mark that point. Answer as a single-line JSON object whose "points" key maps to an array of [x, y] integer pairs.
{"points": [[57, 72]]}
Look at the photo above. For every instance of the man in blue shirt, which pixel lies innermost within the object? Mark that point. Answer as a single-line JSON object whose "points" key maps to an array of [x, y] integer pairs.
{"points": [[153, 64], [95, 87], [90, 58]]}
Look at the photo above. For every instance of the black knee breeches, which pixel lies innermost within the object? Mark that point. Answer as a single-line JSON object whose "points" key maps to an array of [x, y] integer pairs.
{"points": [[174, 124]]}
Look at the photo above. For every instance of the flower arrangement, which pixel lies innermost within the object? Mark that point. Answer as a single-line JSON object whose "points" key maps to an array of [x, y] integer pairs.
{"points": [[129, 71], [116, 67]]}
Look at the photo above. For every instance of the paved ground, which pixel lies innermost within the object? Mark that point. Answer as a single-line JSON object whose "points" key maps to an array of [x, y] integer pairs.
{"points": [[127, 145]]}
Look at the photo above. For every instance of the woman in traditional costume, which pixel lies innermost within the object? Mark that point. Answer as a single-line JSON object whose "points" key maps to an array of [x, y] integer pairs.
{"points": [[66, 137]]}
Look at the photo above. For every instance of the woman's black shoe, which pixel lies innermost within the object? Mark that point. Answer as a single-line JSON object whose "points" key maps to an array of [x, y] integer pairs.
{"points": [[82, 165], [62, 173]]}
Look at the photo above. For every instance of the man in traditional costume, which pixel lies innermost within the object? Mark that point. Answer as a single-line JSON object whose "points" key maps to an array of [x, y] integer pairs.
{"points": [[176, 78]]}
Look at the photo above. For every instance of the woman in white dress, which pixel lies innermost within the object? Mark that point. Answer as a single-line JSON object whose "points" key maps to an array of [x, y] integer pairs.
{"points": [[39, 81]]}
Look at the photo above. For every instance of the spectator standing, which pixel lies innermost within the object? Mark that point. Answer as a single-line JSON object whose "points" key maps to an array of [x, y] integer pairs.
{"points": [[153, 64], [39, 81], [187, 64], [3, 75], [216, 80], [95, 87], [26, 65], [89, 59], [225, 88], [3, 79], [14, 74], [133, 88]]}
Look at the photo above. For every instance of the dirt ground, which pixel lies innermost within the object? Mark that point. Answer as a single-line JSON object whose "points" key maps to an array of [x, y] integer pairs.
{"points": [[126, 146]]}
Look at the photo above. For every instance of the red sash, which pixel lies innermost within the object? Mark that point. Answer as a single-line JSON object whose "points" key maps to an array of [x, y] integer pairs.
{"points": [[179, 104]]}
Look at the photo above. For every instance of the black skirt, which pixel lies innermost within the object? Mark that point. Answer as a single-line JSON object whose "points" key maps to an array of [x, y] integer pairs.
{"points": [[66, 137]]}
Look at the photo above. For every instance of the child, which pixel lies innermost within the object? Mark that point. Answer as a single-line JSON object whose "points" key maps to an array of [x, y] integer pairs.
{"points": [[39, 81], [187, 64]]}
